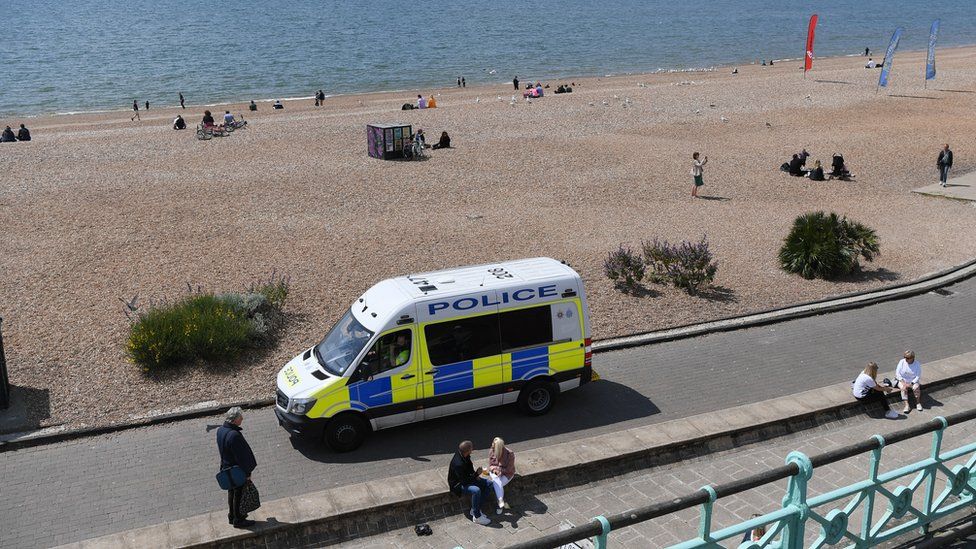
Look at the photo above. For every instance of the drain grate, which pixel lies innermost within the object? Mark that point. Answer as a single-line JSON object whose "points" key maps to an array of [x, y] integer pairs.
{"points": [[943, 292]]}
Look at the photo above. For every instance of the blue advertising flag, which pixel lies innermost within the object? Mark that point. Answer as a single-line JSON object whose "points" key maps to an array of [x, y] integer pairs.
{"points": [[889, 55], [930, 59]]}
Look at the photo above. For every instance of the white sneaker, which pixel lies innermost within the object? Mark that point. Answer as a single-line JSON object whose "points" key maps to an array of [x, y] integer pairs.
{"points": [[482, 520], [918, 407], [891, 414]]}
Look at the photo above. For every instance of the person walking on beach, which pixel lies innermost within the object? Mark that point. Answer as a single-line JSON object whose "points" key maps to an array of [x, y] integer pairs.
{"points": [[459, 81], [944, 164], [463, 83], [182, 105], [147, 105], [867, 52], [696, 173], [235, 451], [135, 107], [515, 83]]}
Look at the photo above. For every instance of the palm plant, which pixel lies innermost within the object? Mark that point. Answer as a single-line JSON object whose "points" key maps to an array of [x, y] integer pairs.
{"points": [[826, 246]]}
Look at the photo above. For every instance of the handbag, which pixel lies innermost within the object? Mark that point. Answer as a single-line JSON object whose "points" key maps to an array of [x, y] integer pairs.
{"points": [[231, 477], [250, 499]]}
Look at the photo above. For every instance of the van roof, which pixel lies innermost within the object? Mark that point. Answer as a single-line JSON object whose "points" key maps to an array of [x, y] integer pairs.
{"points": [[463, 280]]}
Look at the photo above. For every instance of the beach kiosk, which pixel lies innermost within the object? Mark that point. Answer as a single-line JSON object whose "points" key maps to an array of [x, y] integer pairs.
{"points": [[386, 141]]}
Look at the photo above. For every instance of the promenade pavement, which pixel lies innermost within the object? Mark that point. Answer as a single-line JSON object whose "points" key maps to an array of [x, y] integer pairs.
{"points": [[533, 516], [84, 488]]}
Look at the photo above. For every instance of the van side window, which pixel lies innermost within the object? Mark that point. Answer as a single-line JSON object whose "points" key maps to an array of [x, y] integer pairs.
{"points": [[389, 352], [462, 339], [526, 327]]}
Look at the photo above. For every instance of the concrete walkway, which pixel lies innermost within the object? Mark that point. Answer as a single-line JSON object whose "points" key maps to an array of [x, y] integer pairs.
{"points": [[958, 188], [91, 487], [541, 514]]}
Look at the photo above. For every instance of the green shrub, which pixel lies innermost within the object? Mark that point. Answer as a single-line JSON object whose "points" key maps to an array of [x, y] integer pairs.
{"points": [[689, 266], [826, 246], [624, 268], [275, 289], [205, 327]]}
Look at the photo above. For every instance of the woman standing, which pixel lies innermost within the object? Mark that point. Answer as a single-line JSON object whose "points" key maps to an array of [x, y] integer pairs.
{"points": [[866, 390], [501, 469], [696, 173]]}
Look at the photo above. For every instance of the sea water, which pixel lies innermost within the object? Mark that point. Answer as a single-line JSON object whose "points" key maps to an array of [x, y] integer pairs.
{"points": [[83, 55]]}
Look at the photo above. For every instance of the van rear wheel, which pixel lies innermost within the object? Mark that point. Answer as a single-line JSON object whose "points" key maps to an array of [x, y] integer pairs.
{"points": [[346, 432], [537, 397]]}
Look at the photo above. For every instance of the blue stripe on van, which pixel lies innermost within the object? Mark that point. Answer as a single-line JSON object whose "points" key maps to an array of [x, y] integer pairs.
{"points": [[372, 393], [454, 377], [530, 363]]}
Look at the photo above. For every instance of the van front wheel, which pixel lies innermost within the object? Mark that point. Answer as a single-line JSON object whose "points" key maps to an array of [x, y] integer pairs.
{"points": [[537, 397], [346, 432]]}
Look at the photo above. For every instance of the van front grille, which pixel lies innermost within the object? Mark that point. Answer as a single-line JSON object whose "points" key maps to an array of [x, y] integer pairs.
{"points": [[282, 400]]}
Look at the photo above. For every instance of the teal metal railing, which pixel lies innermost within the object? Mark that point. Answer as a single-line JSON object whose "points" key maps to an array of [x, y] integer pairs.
{"points": [[831, 517]]}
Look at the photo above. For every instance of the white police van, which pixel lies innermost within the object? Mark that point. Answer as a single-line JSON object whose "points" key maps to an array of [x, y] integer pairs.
{"points": [[428, 345]]}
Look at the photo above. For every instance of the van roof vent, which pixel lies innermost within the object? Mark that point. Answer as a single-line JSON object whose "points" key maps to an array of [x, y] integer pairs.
{"points": [[446, 281], [428, 288]]}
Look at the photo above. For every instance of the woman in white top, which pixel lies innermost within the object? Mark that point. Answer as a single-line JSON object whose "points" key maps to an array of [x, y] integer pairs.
{"points": [[867, 391], [696, 173], [909, 376]]}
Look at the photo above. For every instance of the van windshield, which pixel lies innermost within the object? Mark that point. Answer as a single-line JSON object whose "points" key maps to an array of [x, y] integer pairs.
{"points": [[342, 344]]}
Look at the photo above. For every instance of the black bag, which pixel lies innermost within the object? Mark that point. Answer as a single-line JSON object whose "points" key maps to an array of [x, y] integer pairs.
{"points": [[423, 529], [250, 499]]}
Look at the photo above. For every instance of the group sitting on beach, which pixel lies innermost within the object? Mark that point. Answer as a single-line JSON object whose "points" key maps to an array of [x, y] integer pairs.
{"points": [[797, 168], [535, 91], [564, 88], [422, 103], [23, 134]]}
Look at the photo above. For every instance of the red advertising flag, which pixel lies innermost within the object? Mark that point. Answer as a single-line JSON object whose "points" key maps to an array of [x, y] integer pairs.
{"points": [[808, 58]]}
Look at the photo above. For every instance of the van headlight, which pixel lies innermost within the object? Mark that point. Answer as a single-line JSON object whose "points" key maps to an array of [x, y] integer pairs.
{"points": [[300, 406]]}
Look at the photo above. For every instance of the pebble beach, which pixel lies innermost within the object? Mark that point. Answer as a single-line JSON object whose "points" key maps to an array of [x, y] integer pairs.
{"points": [[98, 209]]}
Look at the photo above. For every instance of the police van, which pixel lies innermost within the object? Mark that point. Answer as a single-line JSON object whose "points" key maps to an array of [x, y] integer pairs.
{"points": [[429, 345]]}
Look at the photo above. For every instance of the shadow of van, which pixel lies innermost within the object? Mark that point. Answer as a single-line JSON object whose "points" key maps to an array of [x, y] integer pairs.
{"points": [[594, 405]]}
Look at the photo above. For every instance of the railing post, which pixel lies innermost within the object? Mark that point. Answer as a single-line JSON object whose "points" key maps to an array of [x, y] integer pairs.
{"points": [[705, 526], [600, 541], [868, 519], [932, 471], [796, 500]]}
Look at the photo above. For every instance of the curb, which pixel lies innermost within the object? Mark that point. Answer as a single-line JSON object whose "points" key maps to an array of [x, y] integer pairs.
{"points": [[854, 300], [843, 302], [354, 511], [13, 441]]}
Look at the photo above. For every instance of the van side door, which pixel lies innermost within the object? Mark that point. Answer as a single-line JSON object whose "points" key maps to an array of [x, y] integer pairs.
{"points": [[462, 369], [386, 381]]}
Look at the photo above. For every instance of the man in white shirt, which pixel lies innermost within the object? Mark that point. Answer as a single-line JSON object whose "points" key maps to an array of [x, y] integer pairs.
{"points": [[871, 64], [909, 376]]}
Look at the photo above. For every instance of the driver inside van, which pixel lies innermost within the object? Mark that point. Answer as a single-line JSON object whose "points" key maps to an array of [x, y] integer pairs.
{"points": [[400, 350]]}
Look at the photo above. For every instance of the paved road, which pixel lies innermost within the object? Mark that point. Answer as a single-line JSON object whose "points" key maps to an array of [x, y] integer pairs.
{"points": [[86, 488], [536, 515]]}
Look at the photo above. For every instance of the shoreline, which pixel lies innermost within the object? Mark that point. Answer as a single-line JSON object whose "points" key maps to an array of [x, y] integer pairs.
{"points": [[412, 91]]}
